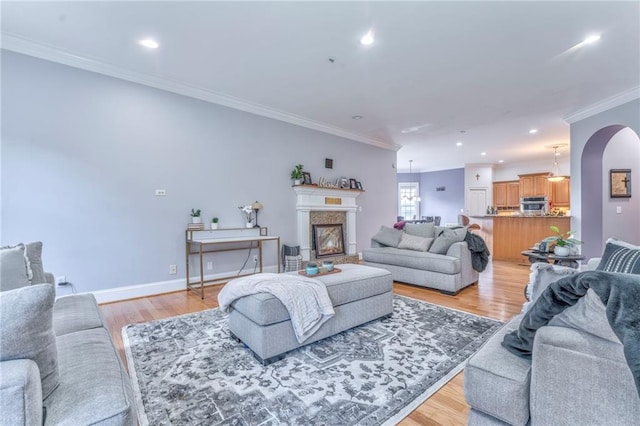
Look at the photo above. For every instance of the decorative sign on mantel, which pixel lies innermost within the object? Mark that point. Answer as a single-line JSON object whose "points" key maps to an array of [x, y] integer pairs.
{"points": [[333, 201]]}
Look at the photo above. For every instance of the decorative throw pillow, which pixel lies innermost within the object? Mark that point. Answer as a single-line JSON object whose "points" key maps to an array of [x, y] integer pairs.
{"points": [[388, 236], [292, 263], [446, 239], [424, 230], [14, 268], [413, 242], [620, 258], [26, 331], [34, 254]]}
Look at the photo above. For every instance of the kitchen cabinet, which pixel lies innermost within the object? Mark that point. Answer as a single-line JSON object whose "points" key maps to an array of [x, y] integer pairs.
{"points": [[534, 185], [561, 194], [506, 195]]}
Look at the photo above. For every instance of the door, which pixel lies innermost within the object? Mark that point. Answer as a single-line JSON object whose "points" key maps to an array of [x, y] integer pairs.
{"points": [[477, 201]]}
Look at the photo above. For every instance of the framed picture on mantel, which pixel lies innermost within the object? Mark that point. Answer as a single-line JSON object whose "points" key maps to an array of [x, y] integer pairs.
{"points": [[620, 183]]}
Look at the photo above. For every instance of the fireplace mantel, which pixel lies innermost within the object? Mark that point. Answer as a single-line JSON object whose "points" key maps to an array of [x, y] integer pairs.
{"points": [[313, 198]]}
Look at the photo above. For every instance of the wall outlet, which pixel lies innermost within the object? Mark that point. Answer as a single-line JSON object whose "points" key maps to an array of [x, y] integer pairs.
{"points": [[61, 280], [255, 258], [618, 209], [173, 269], [209, 266]]}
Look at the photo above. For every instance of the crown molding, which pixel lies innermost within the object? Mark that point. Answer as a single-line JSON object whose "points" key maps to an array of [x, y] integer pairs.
{"points": [[604, 105], [50, 53]]}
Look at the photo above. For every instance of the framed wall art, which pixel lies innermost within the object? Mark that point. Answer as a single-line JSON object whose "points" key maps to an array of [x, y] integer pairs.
{"points": [[620, 183], [328, 240]]}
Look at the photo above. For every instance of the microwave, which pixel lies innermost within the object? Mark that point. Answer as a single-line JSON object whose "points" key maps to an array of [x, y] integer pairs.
{"points": [[534, 205]]}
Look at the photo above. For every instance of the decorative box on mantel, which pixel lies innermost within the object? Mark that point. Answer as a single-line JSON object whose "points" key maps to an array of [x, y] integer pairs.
{"points": [[317, 199]]}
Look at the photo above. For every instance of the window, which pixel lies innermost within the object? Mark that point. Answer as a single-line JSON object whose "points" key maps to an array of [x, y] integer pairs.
{"points": [[408, 200]]}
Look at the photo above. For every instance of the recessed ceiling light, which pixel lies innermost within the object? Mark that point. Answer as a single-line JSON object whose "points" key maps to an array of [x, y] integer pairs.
{"points": [[533, 131], [500, 161], [368, 38], [591, 39], [458, 143], [149, 43], [357, 117], [483, 153]]}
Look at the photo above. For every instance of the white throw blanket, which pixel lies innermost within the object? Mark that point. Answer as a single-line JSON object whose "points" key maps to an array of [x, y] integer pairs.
{"points": [[306, 299]]}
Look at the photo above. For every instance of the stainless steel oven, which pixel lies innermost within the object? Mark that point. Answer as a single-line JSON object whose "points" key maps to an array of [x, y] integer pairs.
{"points": [[534, 205]]}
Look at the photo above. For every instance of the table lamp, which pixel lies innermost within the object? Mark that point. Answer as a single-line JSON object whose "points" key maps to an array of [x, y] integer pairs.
{"points": [[257, 206]]}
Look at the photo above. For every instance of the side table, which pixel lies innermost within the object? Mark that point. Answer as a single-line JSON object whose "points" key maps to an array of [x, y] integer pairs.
{"points": [[537, 256]]}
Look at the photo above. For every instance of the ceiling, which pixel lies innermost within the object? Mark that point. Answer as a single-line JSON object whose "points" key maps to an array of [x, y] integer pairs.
{"points": [[480, 73]]}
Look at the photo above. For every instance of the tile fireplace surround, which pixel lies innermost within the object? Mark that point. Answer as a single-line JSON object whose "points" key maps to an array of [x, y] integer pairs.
{"points": [[316, 199]]}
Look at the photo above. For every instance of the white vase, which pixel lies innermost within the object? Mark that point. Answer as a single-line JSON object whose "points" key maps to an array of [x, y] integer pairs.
{"points": [[561, 251], [214, 225], [249, 225], [297, 181], [195, 219]]}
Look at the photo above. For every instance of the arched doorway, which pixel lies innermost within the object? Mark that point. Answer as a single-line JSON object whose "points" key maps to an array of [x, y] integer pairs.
{"points": [[592, 189]]}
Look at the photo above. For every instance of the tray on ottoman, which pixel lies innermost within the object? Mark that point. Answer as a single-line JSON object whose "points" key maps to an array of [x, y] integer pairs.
{"points": [[359, 294]]}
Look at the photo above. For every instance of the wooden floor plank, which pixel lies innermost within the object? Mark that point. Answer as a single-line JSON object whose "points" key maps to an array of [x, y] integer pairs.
{"points": [[498, 295]]}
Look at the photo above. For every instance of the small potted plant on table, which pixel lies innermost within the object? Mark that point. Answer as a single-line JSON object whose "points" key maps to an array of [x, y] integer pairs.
{"points": [[564, 241], [214, 223], [195, 216]]}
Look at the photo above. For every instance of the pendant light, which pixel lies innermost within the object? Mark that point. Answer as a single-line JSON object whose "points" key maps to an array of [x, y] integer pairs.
{"points": [[411, 197], [554, 174]]}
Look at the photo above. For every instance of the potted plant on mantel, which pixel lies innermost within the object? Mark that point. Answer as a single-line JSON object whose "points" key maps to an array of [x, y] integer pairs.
{"points": [[564, 241], [214, 223], [296, 174], [195, 216]]}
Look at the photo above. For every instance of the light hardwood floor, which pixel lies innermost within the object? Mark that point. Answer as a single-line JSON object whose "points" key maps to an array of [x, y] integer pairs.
{"points": [[499, 295]]}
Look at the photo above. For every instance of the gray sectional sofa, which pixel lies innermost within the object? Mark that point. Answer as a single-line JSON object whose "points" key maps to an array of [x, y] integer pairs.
{"points": [[425, 255], [578, 374], [58, 364]]}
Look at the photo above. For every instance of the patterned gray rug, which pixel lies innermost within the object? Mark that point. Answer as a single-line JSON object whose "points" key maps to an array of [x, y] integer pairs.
{"points": [[187, 370]]}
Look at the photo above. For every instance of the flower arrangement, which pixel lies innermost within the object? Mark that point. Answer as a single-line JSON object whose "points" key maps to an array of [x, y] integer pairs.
{"points": [[247, 211]]}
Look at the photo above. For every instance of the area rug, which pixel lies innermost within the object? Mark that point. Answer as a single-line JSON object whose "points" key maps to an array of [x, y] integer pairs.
{"points": [[187, 370]]}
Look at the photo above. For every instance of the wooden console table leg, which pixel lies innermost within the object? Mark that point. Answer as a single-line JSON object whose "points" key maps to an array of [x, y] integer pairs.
{"points": [[201, 275]]}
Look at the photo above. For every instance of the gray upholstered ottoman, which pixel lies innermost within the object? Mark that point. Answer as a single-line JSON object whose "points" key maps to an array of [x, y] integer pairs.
{"points": [[359, 294]]}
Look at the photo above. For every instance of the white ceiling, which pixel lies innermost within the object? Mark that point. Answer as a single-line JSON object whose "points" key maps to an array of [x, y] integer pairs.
{"points": [[491, 69]]}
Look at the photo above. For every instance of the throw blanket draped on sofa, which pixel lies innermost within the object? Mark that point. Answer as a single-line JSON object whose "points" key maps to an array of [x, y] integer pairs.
{"points": [[620, 293], [479, 251], [306, 299]]}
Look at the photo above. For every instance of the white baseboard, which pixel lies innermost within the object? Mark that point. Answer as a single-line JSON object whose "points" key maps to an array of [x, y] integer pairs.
{"points": [[151, 289]]}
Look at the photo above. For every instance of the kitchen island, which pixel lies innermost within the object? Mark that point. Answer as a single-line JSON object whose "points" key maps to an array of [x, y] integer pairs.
{"points": [[508, 236]]}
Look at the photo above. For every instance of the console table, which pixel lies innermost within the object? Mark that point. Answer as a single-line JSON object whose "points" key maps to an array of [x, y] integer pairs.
{"points": [[199, 242]]}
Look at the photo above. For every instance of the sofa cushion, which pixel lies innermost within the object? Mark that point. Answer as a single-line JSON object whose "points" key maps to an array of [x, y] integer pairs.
{"points": [[34, 254], [26, 330], [447, 237], [413, 259], [413, 242], [425, 230], [387, 236], [355, 282], [588, 314], [76, 312], [620, 258], [14, 268], [496, 382], [94, 388]]}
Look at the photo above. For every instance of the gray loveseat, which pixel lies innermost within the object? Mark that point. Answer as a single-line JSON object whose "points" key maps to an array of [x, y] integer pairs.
{"points": [[58, 363], [578, 374], [425, 255]]}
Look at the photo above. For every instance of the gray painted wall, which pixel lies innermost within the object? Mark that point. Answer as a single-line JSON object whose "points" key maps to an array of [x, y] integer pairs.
{"points": [[586, 197], [622, 152], [82, 154], [448, 203]]}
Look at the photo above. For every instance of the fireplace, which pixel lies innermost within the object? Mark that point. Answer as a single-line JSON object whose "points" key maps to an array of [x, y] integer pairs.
{"points": [[326, 206]]}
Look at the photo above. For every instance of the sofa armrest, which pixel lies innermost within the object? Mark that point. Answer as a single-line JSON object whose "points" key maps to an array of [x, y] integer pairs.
{"points": [[20, 392], [375, 244], [580, 378], [461, 251]]}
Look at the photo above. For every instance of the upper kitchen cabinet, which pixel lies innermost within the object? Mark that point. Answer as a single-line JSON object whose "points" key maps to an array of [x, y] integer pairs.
{"points": [[534, 185], [560, 193], [506, 195]]}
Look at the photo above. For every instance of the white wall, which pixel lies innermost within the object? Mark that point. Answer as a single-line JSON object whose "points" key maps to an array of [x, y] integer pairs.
{"points": [[622, 152], [82, 154], [512, 170]]}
